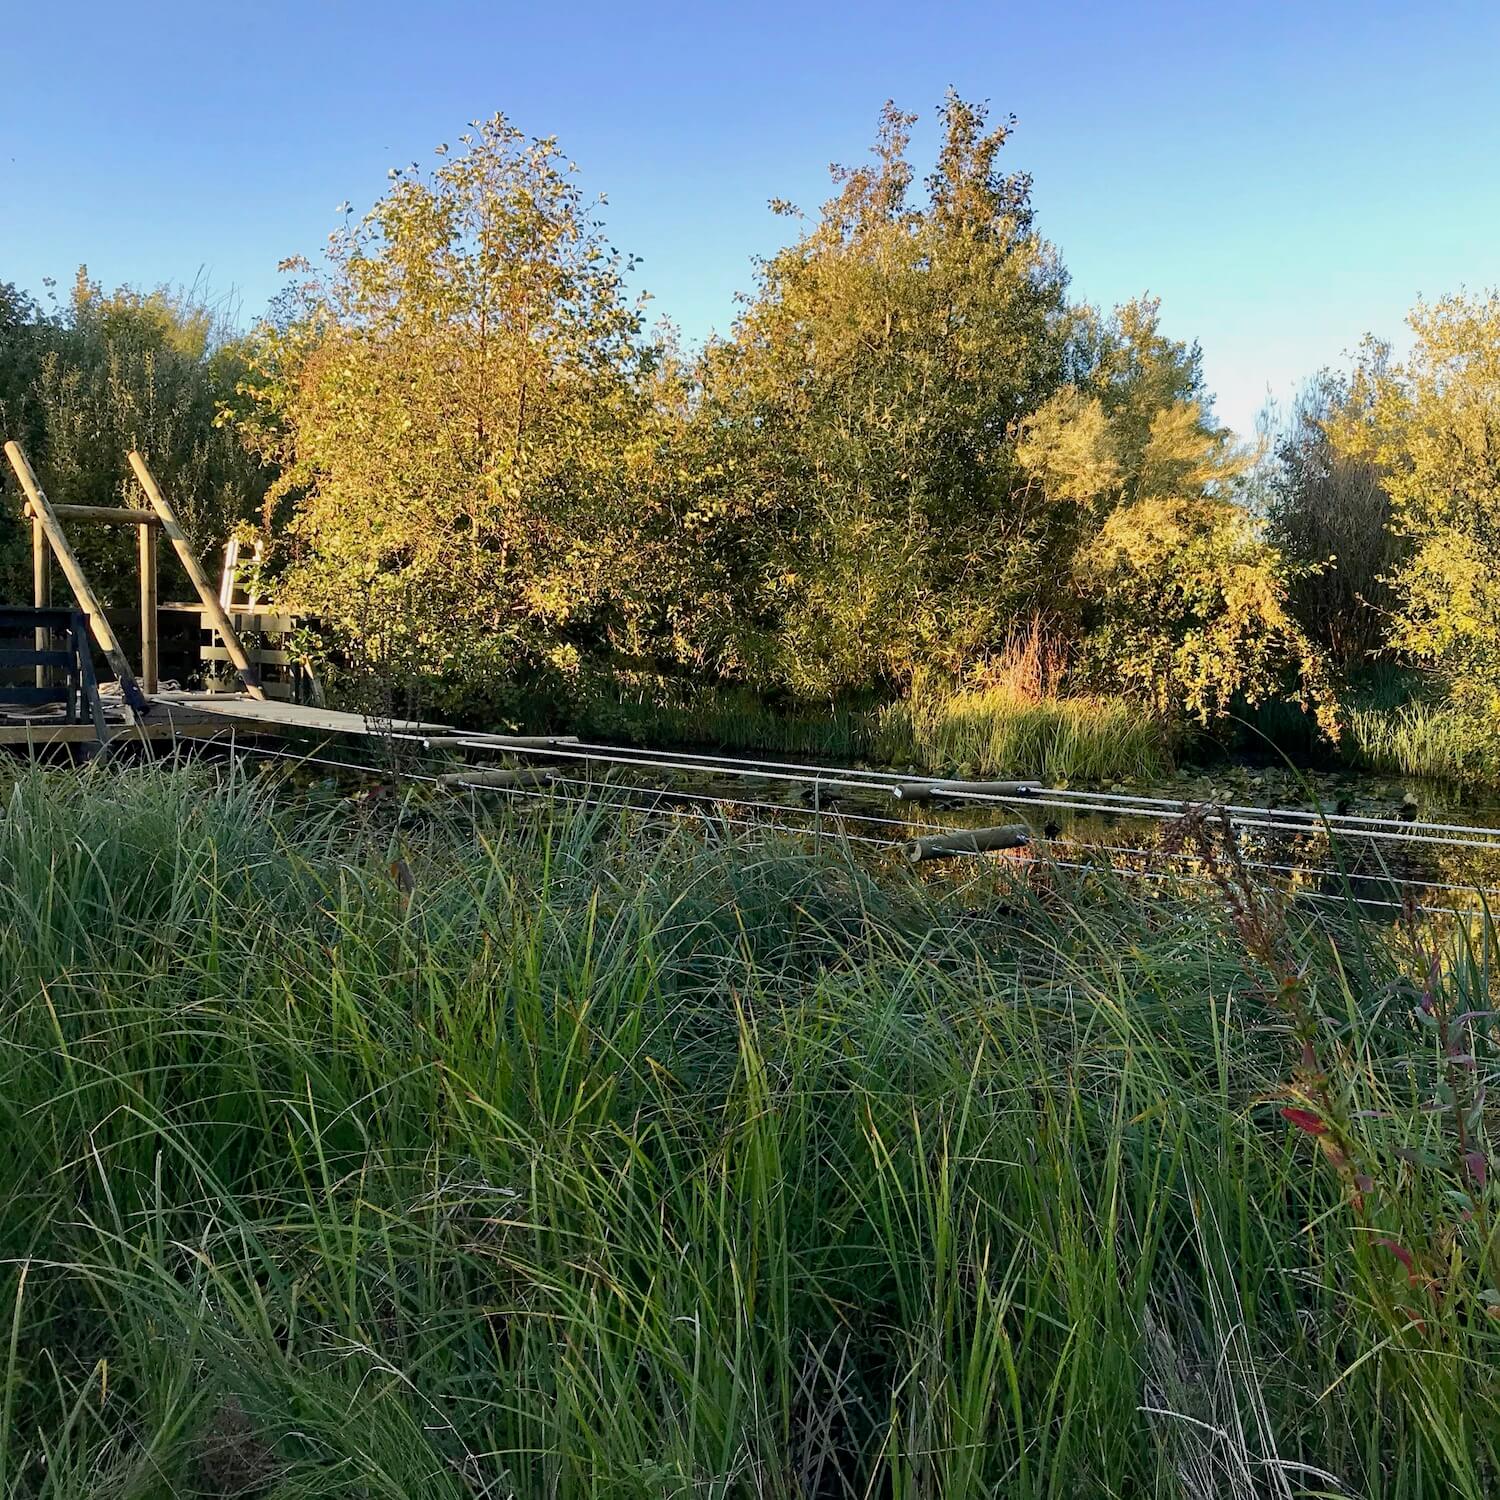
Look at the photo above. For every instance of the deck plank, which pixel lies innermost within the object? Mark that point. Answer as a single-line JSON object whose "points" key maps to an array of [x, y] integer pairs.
{"points": [[276, 715]]}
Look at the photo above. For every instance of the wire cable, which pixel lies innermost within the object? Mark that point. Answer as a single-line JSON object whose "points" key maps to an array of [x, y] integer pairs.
{"points": [[1270, 820], [1042, 860]]}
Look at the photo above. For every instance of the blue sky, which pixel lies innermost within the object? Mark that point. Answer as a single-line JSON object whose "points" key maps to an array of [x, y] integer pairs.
{"points": [[1284, 176]]}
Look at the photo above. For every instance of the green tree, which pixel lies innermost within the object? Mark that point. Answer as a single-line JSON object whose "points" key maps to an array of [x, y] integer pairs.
{"points": [[1174, 592], [24, 334], [1187, 606], [1330, 515], [866, 408], [106, 373], [453, 404], [1431, 423]]}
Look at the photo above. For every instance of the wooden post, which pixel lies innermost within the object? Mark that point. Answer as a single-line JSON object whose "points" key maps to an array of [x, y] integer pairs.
{"points": [[150, 658], [88, 688], [41, 512], [41, 588], [194, 569]]}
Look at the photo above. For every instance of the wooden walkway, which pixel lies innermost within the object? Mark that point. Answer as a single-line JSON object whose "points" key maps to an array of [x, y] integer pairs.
{"points": [[43, 709], [175, 715], [59, 702]]}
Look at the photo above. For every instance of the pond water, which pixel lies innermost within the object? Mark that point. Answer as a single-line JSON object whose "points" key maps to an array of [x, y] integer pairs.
{"points": [[1396, 863]]}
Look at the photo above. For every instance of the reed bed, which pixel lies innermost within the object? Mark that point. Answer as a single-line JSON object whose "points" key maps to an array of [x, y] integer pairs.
{"points": [[998, 731], [1419, 739], [361, 1152], [1009, 726]]}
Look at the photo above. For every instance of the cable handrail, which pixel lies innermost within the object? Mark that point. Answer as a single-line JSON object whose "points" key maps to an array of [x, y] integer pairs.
{"points": [[1272, 820], [949, 786], [1049, 859]]}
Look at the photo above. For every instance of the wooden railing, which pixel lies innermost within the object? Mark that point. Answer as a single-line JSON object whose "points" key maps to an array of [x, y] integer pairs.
{"points": [[50, 649]]}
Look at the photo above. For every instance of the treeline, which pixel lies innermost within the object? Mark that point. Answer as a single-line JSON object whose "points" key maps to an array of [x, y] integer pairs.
{"points": [[478, 464], [913, 446]]}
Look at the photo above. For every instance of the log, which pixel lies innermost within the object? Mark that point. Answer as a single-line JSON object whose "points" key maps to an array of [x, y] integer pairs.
{"points": [[117, 515], [967, 841], [296, 715], [524, 777], [194, 570], [499, 741], [925, 791]]}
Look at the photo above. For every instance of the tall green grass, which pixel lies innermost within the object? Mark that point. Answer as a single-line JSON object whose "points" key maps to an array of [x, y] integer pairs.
{"points": [[937, 726], [1418, 739], [995, 731], [1394, 722], [575, 1157]]}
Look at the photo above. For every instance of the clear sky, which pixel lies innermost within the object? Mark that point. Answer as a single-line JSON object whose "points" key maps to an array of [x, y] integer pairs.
{"points": [[1285, 176]]}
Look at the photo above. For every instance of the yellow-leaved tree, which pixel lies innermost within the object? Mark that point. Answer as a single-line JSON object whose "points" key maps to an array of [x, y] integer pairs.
{"points": [[1431, 423], [452, 403], [1179, 599]]}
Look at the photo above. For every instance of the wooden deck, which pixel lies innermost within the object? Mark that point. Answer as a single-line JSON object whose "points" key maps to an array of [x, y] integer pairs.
{"points": [[177, 715], [59, 700], [274, 716]]}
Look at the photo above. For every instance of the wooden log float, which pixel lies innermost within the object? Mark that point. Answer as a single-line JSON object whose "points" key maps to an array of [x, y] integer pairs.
{"points": [[967, 841], [496, 741], [925, 791], [524, 777], [194, 570], [42, 512]]}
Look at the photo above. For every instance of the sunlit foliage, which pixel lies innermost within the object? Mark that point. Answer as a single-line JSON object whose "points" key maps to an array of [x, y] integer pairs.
{"points": [[1431, 422], [452, 402], [1330, 515], [83, 383]]}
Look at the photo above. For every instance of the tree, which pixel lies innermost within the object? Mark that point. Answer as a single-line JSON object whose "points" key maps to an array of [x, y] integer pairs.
{"points": [[81, 386], [911, 448], [23, 334], [866, 407], [453, 405], [1330, 515], [1431, 423], [1188, 607], [1174, 593]]}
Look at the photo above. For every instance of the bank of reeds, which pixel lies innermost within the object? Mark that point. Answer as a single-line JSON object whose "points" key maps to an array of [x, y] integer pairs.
{"points": [[990, 729], [997, 730], [1432, 741]]}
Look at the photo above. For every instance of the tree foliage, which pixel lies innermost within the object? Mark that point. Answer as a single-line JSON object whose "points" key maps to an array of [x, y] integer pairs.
{"points": [[1330, 516], [870, 396], [453, 403], [1431, 424], [913, 442], [82, 385], [912, 447]]}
